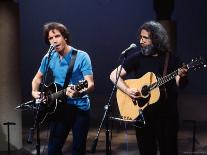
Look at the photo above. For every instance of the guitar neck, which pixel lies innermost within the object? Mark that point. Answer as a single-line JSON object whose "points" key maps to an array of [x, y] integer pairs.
{"points": [[163, 80], [57, 94], [194, 64], [62, 92]]}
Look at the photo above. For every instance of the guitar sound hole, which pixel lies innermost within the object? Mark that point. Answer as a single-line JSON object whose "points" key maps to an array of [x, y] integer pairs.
{"points": [[145, 90], [143, 101], [135, 102]]}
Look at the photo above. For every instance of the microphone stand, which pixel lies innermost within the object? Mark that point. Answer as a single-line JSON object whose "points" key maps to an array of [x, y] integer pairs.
{"points": [[38, 103], [106, 117]]}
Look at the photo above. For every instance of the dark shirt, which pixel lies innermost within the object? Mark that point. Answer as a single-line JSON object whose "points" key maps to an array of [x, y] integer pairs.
{"points": [[137, 65]]}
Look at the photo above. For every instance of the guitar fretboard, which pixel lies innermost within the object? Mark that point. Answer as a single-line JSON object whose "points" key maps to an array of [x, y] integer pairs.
{"points": [[163, 80], [57, 95], [60, 93]]}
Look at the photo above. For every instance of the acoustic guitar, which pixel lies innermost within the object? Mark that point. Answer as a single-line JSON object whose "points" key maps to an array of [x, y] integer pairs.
{"points": [[148, 86], [53, 96]]}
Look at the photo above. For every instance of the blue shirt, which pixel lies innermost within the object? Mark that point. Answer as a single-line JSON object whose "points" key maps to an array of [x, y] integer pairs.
{"points": [[59, 68]]}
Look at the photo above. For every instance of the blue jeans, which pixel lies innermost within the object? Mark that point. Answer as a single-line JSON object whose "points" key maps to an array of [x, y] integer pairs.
{"points": [[70, 118]]}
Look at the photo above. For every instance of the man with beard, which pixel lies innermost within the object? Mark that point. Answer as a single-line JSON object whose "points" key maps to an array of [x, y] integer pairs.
{"points": [[73, 113], [161, 118]]}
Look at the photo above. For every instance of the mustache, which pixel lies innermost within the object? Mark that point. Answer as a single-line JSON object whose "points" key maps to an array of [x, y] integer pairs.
{"points": [[148, 50]]}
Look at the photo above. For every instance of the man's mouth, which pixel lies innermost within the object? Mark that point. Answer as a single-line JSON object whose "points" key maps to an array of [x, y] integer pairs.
{"points": [[57, 46]]}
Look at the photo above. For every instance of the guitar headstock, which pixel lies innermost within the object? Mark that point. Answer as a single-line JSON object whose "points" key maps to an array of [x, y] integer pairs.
{"points": [[81, 85], [197, 63]]}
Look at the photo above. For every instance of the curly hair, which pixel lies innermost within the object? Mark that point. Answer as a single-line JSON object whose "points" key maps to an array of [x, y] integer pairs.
{"points": [[158, 35], [58, 26]]}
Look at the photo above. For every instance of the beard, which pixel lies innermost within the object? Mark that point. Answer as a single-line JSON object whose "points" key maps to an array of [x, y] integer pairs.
{"points": [[148, 50]]}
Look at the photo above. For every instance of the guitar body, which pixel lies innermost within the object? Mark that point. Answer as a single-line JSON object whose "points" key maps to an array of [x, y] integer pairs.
{"points": [[129, 109], [54, 97], [51, 104]]}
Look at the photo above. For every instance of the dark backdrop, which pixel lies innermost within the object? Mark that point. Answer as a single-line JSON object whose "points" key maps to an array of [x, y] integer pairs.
{"points": [[104, 28]]}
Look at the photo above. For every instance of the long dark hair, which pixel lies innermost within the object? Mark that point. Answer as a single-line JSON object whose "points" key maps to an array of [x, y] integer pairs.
{"points": [[158, 35], [58, 26]]}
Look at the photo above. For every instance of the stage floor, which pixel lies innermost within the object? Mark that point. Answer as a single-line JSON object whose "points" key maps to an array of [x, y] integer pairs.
{"points": [[123, 141]]}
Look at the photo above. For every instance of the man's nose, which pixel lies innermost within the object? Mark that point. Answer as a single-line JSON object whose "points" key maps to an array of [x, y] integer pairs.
{"points": [[141, 41], [54, 41]]}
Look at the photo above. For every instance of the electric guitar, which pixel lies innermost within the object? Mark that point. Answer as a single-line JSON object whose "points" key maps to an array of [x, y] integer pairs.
{"points": [[148, 86], [53, 96]]}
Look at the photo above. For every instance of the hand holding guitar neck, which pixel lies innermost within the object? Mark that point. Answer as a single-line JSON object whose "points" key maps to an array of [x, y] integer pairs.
{"points": [[78, 90], [183, 71]]}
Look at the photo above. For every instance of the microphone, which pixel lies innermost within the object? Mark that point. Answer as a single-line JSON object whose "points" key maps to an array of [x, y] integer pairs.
{"points": [[26, 104], [51, 48], [132, 46]]}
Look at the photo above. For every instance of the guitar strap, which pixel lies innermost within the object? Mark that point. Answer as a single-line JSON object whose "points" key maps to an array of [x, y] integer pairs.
{"points": [[167, 55], [70, 67], [166, 64], [59, 108]]}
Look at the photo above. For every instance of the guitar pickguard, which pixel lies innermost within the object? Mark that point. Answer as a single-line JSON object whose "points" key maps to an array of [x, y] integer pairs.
{"points": [[142, 101]]}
